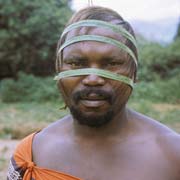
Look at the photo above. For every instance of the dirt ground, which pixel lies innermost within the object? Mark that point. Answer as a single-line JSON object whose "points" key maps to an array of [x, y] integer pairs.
{"points": [[6, 149]]}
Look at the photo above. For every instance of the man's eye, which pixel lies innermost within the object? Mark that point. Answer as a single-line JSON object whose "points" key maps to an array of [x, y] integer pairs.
{"points": [[115, 63], [75, 64]]}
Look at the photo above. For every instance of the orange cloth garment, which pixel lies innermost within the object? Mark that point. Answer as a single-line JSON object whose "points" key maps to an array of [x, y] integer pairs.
{"points": [[21, 166]]}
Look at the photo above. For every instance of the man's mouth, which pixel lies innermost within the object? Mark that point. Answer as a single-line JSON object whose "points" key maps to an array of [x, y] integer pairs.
{"points": [[93, 103], [93, 100]]}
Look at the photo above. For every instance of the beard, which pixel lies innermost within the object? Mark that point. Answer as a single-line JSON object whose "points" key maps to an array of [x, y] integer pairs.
{"points": [[93, 119]]}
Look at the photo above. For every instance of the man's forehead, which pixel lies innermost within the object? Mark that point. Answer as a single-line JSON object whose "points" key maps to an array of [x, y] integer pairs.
{"points": [[87, 50]]}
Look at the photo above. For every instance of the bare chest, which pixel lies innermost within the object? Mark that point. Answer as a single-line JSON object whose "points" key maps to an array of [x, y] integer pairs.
{"points": [[98, 163], [126, 168]]}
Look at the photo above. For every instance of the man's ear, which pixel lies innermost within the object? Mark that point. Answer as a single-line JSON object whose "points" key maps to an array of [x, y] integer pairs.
{"points": [[134, 77], [136, 80]]}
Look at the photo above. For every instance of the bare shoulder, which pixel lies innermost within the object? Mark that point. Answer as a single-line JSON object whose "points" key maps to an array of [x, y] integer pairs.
{"points": [[166, 138], [49, 138], [170, 144], [58, 128]]}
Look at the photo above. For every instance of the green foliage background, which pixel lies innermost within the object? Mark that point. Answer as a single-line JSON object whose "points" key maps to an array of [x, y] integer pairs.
{"points": [[159, 62], [29, 31]]}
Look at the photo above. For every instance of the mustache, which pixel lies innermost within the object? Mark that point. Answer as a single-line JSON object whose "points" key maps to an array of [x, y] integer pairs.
{"points": [[108, 95]]}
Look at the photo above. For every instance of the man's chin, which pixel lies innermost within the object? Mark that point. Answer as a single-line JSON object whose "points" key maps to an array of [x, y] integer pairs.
{"points": [[91, 119]]}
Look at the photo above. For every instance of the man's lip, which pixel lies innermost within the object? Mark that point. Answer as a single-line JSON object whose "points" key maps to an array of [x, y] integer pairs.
{"points": [[93, 103], [93, 97]]}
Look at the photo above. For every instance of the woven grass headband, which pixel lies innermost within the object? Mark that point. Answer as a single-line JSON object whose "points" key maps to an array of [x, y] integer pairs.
{"points": [[99, 72]]}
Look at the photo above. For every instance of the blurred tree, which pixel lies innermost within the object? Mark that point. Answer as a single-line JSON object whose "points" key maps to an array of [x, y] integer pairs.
{"points": [[29, 31], [178, 31], [157, 61]]}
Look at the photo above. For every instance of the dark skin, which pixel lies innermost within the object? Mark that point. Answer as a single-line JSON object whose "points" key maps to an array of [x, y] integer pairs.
{"points": [[130, 146]]}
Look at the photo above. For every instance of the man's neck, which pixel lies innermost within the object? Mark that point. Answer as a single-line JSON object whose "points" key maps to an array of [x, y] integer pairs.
{"points": [[119, 125]]}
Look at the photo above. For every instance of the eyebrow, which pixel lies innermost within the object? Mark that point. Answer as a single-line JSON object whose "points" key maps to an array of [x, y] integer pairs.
{"points": [[82, 58], [115, 57], [74, 57]]}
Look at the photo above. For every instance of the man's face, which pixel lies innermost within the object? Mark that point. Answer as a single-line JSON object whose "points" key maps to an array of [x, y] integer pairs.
{"points": [[94, 100]]}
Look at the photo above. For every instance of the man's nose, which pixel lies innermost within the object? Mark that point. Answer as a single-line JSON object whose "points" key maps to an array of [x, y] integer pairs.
{"points": [[93, 80]]}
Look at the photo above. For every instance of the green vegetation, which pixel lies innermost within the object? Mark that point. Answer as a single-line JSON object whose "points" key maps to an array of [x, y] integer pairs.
{"points": [[29, 33], [29, 88], [157, 62], [161, 90], [19, 119], [178, 31]]}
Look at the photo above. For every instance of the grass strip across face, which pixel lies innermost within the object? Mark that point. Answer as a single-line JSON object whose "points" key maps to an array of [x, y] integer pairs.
{"points": [[99, 72]]}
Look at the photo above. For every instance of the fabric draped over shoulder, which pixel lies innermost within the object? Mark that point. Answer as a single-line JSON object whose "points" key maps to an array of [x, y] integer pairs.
{"points": [[21, 166]]}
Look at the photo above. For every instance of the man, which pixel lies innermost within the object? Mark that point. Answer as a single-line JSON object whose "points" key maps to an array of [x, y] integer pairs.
{"points": [[102, 139]]}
